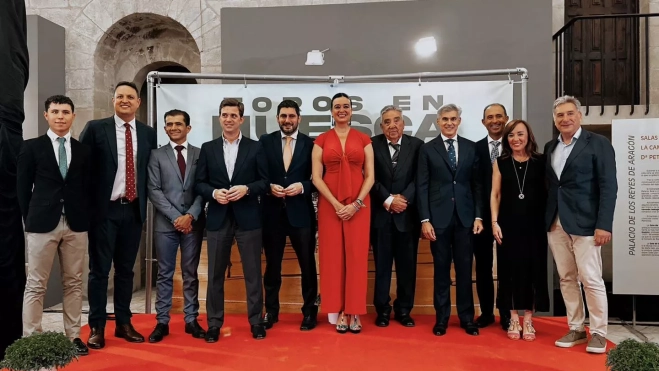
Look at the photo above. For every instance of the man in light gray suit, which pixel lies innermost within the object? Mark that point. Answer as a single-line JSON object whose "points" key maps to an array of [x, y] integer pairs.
{"points": [[179, 221]]}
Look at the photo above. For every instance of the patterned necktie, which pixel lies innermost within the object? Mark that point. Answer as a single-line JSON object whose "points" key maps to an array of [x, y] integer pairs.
{"points": [[288, 152], [451, 154], [180, 160], [62, 157], [495, 150], [131, 193], [394, 158]]}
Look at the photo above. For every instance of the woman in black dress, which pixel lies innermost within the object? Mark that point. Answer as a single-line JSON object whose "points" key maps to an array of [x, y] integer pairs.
{"points": [[518, 210]]}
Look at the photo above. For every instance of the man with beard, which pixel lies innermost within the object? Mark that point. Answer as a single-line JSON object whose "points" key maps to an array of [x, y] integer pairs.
{"points": [[14, 62], [288, 211], [394, 220], [489, 149]]}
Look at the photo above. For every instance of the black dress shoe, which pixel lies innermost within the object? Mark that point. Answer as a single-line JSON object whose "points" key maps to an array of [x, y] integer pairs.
{"points": [[269, 320], [128, 333], [96, 338], [195, 329], [308, 323], [159, 333], [81, 348], [470, 328], [484, 320], [439, 329], [213, 334], [258, 332], [382, 320], [505, 322], [404, 320]]}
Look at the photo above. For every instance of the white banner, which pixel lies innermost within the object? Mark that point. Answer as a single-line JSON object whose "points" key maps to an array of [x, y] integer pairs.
{"points": [[418, 102], [636, 223]]}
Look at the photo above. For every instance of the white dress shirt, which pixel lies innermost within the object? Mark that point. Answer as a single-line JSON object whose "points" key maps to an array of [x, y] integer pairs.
{"points": [[184, 151], [67, 146], [119, 187], [390, 199], [231, 153], [562, 152], [455, 145]]}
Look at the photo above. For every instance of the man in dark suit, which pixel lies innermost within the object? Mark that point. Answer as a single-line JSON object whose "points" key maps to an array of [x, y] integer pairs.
{"points": [[53, 192], [179, 221], [288, 211], [231, 175], [394, 218], [14, 61], [488, 149], [121, 147], [449, 194], [581, 172]]}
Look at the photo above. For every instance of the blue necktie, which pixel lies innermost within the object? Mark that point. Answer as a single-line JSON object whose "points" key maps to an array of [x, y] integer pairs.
{"points": [[62, 157], [451, 154]]}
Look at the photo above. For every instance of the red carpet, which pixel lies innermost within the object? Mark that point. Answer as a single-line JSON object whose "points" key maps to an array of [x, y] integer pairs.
{"points": [[391, 348]]}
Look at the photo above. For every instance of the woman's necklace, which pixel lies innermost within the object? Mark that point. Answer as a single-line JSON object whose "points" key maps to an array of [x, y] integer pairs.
{"points": [[521, 187]]}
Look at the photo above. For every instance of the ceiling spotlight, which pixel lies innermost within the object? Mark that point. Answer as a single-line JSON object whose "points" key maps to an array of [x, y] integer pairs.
{"points": [[425, 46], [316, 57]]}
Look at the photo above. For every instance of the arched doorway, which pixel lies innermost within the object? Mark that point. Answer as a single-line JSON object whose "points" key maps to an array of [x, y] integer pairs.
{"points": [[142, 85]]}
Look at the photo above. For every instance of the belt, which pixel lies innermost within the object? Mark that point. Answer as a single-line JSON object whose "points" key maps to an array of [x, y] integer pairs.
{"points": [[124, 201]]}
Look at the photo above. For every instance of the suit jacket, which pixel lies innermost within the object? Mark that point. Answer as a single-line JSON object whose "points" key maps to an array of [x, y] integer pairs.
{"points": [[483, 152], [42, 192], [101, 137], [440, 191], [299, 209], [401, 181], [251, 170], [585, 196], [171, 194]]}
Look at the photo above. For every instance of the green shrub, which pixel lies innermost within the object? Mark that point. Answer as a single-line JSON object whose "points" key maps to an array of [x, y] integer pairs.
{"points": [[38, 351], [631, 355]]}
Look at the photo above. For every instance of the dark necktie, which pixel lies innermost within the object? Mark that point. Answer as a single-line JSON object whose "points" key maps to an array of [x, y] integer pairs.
{"points": [[451, 154], [394, 158], [62, 157], [131, 192], [180, 160]]}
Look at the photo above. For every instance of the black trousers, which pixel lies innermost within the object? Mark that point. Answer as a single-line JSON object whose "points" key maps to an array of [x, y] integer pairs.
{"points": [[14, 64], [454, 243], [483, 254], [219, 256], [391, 245], [274, 242], [116, 240]]}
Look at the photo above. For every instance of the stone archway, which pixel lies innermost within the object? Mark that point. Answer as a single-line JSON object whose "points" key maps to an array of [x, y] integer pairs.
{"points": [[140, 81], [135, 45]]}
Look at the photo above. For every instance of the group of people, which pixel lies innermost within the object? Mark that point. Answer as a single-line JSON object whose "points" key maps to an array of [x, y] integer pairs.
{"points": [[90, 195]]}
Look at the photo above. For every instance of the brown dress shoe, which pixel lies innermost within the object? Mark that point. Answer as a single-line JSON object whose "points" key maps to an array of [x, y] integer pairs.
{"points": [[128, 333], [96, 338]]}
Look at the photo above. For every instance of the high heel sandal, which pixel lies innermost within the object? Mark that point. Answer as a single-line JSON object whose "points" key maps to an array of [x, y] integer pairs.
{"points": [[341, 326], [529, 331], [514, 329], [355, 327]]}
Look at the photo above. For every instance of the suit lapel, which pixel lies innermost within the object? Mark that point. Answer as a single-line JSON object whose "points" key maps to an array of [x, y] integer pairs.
{"points": [[297, 154], [441, 149], [111, 132], [242, 154], [218, 148], [405, 151], [279, 152], [142, 145], [50, 153], [172, 159], [192, 155], [552, 148], [383, 151], [75, 157], [580, 144], [463, 153]]}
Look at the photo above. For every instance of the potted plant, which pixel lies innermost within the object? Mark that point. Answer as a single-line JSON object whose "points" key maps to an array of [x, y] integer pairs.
{"points": [[39, 351], [631, 355]]}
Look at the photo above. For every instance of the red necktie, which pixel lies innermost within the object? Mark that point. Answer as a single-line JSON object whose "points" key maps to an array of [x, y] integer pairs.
{"points": [[181, 161], [131, 193]]}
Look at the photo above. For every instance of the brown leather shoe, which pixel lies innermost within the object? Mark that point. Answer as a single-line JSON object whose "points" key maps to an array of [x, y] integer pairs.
{"points": [[96, 338], [128, 333]]}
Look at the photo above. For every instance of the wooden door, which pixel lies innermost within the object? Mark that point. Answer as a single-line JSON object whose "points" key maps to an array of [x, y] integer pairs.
{"points": [[603, 62]]}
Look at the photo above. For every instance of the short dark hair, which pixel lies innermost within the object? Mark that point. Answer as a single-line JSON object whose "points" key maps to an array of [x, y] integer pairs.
{"points": [[287, 103], [233, 102], [176, 112], [341, 95], [127, 83], [495, 105], [59, 99], [531, 148]]}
